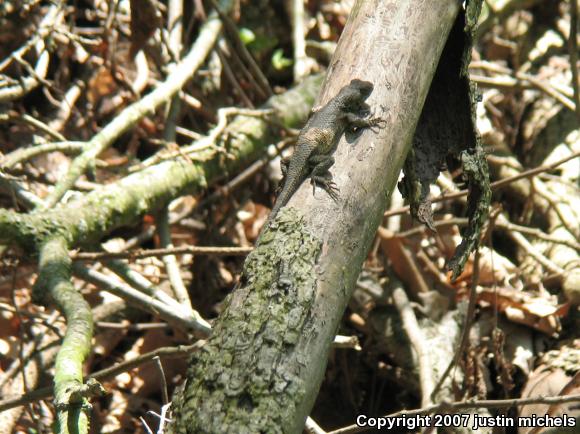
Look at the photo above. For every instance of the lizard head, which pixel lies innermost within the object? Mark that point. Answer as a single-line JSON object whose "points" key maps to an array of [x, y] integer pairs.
{"points": [[355, 93], [363, 87]]}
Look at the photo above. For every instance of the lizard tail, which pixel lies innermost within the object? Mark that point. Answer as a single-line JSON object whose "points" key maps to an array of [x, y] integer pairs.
{"points": [[294, 177]]}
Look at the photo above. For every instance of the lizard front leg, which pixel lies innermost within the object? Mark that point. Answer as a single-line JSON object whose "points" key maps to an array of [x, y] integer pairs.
{"points": [[361, 121], [321, 176]]}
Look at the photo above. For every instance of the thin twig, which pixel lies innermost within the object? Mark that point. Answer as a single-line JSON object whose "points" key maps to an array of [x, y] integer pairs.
{"points": [[141, 283], [13, 187], [53, 15], [163, 418], [239, 46], [570, 224], [22, 155], [418, 342], [29, 120], [532, 251], [137, 254], [302, 63], [171, 265], [547, 89], [126, 325], [231, 77], [351, 342], [245, 175], [505, 225], [312, 427], [104, 374], [164, 393], [521, 80], [144, 301], [207, 142]]}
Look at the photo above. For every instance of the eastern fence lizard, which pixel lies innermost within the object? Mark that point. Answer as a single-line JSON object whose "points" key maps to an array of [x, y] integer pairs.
{"points": [[319, 139]]}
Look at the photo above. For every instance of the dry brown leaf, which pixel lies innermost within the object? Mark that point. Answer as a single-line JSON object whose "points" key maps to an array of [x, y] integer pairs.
{"points": [[253, 216], [403, 262], [101, 85], [554, 377], [145, 379], [542, 314]]}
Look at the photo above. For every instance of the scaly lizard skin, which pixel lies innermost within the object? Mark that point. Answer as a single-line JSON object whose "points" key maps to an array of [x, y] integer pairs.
{"points": [[319, 139]]}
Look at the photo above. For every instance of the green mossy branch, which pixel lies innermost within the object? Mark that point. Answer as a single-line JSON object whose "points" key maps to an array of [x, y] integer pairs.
{"points": [[86, 220], [54, 280], [259, 329]]}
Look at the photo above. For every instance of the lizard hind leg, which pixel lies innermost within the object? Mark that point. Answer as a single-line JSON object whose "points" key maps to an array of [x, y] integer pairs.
{"points": [[321, 176], [327, 185]]}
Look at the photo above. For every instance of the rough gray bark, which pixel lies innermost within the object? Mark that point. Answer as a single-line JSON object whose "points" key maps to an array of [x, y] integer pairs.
{"points": [[262, 367]]}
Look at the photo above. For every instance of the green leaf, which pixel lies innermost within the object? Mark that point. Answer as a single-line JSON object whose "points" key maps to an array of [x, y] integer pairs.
{"points": [[279, 61], [247, 36]]}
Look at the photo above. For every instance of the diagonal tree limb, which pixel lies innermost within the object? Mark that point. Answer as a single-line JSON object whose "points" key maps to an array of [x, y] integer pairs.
{"points": [[261, 369], [87, 219]]}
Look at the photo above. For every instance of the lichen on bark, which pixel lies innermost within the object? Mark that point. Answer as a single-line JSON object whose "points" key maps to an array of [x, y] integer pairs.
{"points": [[259, 329]]}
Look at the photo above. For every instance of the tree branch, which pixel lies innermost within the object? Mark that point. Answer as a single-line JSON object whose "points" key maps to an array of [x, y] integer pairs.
{"points": [[54, 278], [266, 356]]}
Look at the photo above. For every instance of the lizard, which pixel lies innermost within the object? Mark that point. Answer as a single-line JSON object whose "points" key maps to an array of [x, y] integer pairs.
{"points": [[318, 140]]}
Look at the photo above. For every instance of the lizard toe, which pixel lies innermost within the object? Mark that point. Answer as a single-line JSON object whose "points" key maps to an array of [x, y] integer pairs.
{"points": [[331, 189]]}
